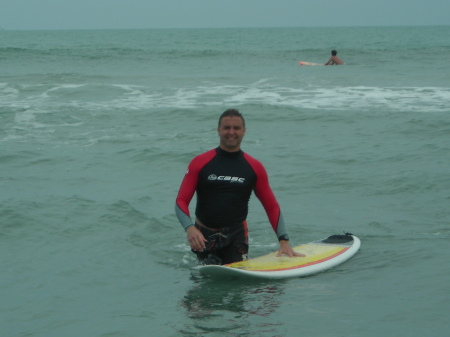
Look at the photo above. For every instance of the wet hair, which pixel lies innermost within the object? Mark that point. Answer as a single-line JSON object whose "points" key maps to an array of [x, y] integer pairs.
{"points": [[232, 113], [333, 52]]}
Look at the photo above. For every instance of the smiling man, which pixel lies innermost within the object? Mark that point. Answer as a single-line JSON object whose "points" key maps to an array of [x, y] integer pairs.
{"points": [[224, 179]]}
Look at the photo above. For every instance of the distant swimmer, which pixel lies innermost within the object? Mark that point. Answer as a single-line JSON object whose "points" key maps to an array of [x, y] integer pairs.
{"points": [[334, 60]]}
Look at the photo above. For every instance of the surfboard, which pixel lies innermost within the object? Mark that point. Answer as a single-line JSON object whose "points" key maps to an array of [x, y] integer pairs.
{"points": [[304, 63], [319, 256]]}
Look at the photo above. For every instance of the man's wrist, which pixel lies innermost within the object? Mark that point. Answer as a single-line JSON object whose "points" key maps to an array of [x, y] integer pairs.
{"points": [[284, 237], [186, 228]]}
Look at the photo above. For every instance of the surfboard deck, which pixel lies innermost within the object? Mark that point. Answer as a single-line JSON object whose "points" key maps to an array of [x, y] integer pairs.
{"points": [[319, 256], [304, 63]]}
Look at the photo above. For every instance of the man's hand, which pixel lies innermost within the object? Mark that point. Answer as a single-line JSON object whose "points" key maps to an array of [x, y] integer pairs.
{"points": [[196, 239], [286, 249]]}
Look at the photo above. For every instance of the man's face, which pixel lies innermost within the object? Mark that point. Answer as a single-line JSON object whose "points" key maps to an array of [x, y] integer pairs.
{"points": [[231, 132]]}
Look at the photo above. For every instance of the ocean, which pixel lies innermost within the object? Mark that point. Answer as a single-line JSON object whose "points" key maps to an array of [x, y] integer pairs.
{"points": [[97, 129]]}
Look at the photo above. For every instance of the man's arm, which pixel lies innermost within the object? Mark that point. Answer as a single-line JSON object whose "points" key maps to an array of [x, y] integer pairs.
{"points": [[185, 194], [187, 189], [189, 186], [264, 193]]}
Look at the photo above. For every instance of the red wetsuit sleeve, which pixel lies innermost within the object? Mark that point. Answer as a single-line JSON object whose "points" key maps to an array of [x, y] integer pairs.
{"points": [[264, 193], [189, 186]]}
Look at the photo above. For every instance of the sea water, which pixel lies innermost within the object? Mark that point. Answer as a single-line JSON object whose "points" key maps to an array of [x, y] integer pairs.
{"points": [[96, 131]]}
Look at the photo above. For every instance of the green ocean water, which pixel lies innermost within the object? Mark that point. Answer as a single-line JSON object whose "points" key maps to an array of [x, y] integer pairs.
{"points": [[96, 131]]}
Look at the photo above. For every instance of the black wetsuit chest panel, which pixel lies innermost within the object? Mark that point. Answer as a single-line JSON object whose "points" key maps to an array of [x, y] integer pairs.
{"points": [[224, 189]]}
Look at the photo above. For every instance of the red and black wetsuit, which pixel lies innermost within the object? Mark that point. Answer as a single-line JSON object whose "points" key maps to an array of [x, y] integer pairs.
{"points": [[224, 182]]}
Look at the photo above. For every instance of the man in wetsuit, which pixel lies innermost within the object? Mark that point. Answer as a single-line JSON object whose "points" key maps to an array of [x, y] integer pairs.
{"points": [[224, 179]]}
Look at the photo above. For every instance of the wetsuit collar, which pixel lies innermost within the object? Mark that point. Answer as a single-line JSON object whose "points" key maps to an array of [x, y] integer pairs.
{"points": [[222, 152]]}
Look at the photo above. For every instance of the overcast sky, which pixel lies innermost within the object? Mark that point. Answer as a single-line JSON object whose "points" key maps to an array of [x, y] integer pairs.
{"points": [[119, 14]]}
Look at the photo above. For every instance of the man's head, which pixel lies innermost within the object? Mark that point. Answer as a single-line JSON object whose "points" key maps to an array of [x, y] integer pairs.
{"points": [[231, 113], [334, 52], [231, 130]]}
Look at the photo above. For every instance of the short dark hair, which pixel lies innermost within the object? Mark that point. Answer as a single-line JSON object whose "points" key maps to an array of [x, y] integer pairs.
{"points": [[231, 113], [333, 52]]}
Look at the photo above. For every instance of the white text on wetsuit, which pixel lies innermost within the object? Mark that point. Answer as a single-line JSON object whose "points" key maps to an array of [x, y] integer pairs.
{"points": [[226, 178]]}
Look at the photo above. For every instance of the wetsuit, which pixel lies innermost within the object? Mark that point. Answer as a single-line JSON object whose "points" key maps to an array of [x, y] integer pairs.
{"points": [[224, 182]]}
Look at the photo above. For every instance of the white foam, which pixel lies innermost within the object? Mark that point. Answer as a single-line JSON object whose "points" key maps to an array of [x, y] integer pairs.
{"points": [[300, 96], [7, 91]]}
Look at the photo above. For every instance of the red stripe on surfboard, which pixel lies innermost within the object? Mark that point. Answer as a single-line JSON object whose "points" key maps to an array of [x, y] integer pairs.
{"points": [[303, 265]]}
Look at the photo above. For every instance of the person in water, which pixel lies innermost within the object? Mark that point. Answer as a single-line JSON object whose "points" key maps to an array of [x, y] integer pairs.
{"points": [[334, 59], [224, 179]]}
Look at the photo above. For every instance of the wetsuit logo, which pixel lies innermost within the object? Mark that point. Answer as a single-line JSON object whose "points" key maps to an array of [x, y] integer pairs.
{"points": [[226, 178]]}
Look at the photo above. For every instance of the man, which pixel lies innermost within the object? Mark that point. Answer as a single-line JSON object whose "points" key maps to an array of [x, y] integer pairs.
{"points": [[224, 179], [334, 59]]}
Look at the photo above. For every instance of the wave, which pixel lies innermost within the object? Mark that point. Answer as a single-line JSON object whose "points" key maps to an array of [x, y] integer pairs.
{"points": [[46, 98]]}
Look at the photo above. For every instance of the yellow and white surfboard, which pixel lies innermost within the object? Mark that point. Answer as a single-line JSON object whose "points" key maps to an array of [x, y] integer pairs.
{"points": [[319, 256]]}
